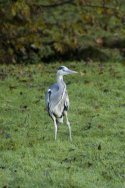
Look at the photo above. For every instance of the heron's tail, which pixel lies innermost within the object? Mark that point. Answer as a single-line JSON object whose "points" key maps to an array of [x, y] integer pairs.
{"points": [[59, 120]]}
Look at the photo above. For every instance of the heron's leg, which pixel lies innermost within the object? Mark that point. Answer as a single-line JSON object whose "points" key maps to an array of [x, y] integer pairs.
{"points": [[55, 126], [69, 127]]}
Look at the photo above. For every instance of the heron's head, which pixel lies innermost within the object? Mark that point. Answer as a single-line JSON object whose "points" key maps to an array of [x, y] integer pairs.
{"points": [[64, 71]]}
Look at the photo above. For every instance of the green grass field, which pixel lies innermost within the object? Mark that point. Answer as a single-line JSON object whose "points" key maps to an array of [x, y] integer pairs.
{"points": [[29, 156]]}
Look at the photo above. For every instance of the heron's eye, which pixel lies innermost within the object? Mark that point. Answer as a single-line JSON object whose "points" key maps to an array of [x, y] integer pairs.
{"points": [[61, 68]]}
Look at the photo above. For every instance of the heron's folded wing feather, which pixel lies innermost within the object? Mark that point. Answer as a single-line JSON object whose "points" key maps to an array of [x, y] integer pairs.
{"points": [[47, 99], [51, 95], [56, 95]]}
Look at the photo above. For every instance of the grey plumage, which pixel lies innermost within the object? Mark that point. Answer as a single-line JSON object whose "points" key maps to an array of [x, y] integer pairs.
{"points": [[57, 100]]}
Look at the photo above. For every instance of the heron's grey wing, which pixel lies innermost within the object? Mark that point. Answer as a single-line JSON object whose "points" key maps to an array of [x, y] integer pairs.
{"points": [[52, 96], [56, 95], [47, 98]]}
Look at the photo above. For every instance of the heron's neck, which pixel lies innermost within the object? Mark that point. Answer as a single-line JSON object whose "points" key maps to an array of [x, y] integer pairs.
{"points": [[59, 78]]}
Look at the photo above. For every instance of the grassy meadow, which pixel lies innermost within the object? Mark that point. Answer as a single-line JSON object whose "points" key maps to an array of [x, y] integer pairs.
{"points": [[29, 156]]}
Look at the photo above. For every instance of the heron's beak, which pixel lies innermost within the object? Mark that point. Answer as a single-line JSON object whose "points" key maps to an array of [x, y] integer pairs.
{"points": [[71, 72]]}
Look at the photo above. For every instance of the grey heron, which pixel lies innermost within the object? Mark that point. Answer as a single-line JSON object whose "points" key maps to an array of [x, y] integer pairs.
{"points": [[57, 100]]}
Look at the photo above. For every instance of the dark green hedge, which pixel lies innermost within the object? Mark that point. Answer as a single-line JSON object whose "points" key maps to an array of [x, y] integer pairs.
{"points": [[39, 30]]}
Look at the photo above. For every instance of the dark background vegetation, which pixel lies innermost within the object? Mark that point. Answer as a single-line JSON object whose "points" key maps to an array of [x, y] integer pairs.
{"points": [[45, 30]]}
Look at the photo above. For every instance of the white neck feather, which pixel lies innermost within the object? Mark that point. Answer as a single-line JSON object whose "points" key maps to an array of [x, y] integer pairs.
{"points": [[59, 78]]}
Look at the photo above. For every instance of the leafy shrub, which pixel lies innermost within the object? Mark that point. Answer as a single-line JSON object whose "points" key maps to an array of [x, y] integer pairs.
{"points": [[41, 29]]}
